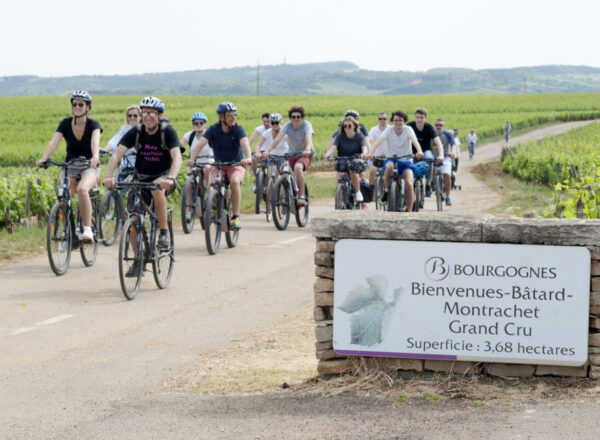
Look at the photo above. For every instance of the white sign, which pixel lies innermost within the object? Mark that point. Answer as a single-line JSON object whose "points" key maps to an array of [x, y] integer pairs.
{"points": [[462, 301]]}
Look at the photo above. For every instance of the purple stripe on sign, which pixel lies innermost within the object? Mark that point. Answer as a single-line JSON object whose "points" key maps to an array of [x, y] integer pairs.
{"points": [[442, 357]]}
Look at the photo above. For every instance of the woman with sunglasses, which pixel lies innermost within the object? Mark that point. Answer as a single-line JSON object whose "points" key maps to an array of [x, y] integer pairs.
{"points": [[132, 117], [82, 135], [192, 137], [351, 142]]}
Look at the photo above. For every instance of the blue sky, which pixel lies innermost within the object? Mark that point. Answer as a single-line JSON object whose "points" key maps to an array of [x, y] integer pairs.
{"points": [[68, 37]]}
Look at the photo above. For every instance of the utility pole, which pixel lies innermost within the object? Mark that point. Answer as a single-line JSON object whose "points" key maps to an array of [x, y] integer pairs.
{"points": [[524, 85], [258, 78]]}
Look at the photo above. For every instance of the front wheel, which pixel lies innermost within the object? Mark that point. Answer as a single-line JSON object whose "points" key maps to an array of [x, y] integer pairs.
{"points": [[302, 211], [281, 204], [379, 190], [418, 187], [163, 259], [394, 197], [213, 221], [89, 251], [131, 260], [260, 183], [231, 237], [340, 196], [110, 217], [439, 191], [188, 205], [59, 238]]}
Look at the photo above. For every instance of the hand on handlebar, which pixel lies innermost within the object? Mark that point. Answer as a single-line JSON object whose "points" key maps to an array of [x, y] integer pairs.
{"points": [[419, 156], [39, 163], [439, 159], [109, 182], [245, 162]]}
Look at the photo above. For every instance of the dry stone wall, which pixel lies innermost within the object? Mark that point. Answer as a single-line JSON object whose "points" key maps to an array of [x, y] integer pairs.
{"points": [[442, 227]]}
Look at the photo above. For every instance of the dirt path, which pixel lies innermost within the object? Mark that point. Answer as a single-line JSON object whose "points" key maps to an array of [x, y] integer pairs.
{"points": [[80, 362]]}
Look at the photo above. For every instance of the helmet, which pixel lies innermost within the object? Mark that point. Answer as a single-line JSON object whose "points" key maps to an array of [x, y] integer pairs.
{"points": [[275, 117], [340, 122], [352, 113], [358, 165], [420, 168], [226, 107], [152, 102], [199, 116], [81, 94]]}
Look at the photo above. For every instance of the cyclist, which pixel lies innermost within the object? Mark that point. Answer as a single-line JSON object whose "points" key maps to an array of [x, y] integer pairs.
{"points": [[133, 115], [456, 150], [374, 134], [401, 140], [446, 167], [230, 144], [158, 160], [257, 134], [351, 142], [299, 136], [507, 129], [192, 138], [472, 140], [426, 136], [82, 135]]}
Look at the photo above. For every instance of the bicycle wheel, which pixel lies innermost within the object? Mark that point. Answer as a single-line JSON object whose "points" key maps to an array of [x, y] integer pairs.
{"points": [[231, 237], [89, 251], [201, 204], [188, 205], [439, 191], [59, 238], [260, 182], [212, 221], [340, 196], [163, 259], [418, 188], [110, 217], [302, 211], [131, 260], [281, 204], [394, 195], [422, 198], [379, 190], [269, 198]]}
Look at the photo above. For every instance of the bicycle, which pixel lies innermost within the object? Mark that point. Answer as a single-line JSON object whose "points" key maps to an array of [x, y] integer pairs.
{"points": [[437, 184], [63, 233], [471, 150], [379, 185], [113, 211], [218, 210], [285, 197], [193, 199], [275, 162], [261, 187], [396, 191], [344, 190], [138, 246]]}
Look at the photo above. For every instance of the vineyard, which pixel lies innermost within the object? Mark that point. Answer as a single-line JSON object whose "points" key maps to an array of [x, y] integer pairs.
{"points": [[29, 123], [569, 163]]}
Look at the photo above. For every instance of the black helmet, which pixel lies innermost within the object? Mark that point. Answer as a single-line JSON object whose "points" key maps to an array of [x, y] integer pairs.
{"points": [[352, 113], [226, 107]]}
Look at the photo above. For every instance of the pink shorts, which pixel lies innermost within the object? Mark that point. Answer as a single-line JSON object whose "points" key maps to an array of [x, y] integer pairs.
{"points": [[209, 171], [234, 171], [305, 161]]}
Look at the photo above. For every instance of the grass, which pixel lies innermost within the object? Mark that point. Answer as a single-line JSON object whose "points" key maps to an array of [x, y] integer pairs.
{"points": [[23, 242], [518, 198]]}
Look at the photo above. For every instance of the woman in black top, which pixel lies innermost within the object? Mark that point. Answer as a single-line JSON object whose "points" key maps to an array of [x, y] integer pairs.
{"points": [[82, 136]]}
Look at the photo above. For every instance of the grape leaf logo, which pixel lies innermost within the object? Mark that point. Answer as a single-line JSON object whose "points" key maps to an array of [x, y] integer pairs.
{"points": [[369, 309], [436, 269]]}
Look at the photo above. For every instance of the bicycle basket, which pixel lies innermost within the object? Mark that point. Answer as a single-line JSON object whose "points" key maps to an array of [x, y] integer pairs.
{"points": [[342, 165], [358, 165], [420, 169], [367, 191]]}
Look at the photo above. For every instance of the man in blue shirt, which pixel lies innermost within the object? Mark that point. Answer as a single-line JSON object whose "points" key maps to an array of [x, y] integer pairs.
{"points": [[230, 144]]}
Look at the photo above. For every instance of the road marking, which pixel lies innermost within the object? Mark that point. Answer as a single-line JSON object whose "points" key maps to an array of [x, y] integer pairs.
{"points": [[23, 330], [291, 240], [55, 319]]}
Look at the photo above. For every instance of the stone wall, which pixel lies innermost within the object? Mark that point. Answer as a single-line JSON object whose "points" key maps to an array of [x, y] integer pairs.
{"points": [[376, 225]]}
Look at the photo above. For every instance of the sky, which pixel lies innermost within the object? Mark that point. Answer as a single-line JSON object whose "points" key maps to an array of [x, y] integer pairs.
{"points": [[68, 37]]}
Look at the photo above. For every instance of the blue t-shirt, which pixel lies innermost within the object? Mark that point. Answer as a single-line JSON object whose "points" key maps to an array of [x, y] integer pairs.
{"points": [[226, 146]]}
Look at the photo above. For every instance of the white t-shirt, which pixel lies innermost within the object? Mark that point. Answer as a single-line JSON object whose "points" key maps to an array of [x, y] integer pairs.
{"points": [[456, 147], [399, 145], [128, 160], [374, 134], [281, 148], [261, 130], [206, 151], [472, 138]]}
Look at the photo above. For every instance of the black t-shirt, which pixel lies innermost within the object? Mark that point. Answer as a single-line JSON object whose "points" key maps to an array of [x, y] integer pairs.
{"points": [[424, 137], [151, 159], [363, 130], [76, 147], [348, 146]]}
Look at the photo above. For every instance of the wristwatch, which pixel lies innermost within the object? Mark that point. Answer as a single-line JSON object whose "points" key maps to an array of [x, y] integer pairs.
{"points": [[170, 177]]}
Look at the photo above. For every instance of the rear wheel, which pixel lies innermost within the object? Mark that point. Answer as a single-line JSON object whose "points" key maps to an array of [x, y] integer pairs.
{"points": [[162, 263], [340, 197], [269, 199], [439, 191], [260, 183], [213, 221], [394, 201], [59, 238], [302, 211], [110, 217], [231, 237], [379, 190], [281, 204], [131, 259], [189, 205]]}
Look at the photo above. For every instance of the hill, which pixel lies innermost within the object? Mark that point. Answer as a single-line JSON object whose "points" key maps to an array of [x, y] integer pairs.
{"points": [[333, 78]]}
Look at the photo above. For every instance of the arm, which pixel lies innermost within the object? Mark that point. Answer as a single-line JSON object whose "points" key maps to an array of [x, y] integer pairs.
{"points": [[174, 170], [112, 164], [50, 148], [415, 142], [253, 137], [376, 144], [196, 150], [365, 148], [246, 151], [440, 147], [330, 147], [307, 144], [261, 142], [95, 160]]}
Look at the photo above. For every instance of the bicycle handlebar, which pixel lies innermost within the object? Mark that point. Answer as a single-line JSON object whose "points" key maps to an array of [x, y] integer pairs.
{"points": [[49, 162]]}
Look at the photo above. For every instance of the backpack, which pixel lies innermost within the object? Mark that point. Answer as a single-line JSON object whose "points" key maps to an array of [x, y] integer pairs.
{"points": [[191, 140], [162, 128]]}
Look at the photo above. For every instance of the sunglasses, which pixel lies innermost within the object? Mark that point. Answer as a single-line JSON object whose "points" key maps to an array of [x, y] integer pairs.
{"points": [[383, 119], [78, 104], [151, 114], [295, 117], [274, 123], [135, 115], [348, 126], [199, 122], [439, 125]]}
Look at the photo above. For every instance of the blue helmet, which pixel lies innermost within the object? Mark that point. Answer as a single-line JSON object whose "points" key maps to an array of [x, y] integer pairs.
{"points": [[199, 116], [226, 107], [152, 102], [420, 168], [83, 95]]}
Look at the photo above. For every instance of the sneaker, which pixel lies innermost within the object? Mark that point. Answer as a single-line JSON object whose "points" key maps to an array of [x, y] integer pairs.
{"points": [[133, 270], [428, 191], [301, 201], [384, 198], [87, 236], [235, 224], [358, 197], [269, 216], [448, 202], [163, 241]]}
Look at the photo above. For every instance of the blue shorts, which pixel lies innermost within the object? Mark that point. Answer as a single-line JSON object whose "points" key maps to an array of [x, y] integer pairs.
{"points": [[403, 165]]}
